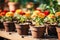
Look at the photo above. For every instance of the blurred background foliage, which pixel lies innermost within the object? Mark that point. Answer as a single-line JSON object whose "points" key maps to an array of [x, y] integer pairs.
{"points": [[50, 4]]}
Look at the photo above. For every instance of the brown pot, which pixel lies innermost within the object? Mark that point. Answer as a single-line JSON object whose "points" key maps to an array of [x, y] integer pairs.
{"points": [[29, 21], [22, 29], [9, 26], [52, 30], [37, 32], [13, 6], [1, 25], [58, 32]]}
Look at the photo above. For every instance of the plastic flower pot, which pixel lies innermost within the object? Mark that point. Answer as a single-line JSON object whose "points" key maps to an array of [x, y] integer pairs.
{"points": [[37, 32], [22, 29], [9, 26], [58, 32]]}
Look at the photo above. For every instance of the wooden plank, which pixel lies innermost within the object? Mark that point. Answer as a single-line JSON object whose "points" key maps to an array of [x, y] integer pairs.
{"points": [[16, 36]]}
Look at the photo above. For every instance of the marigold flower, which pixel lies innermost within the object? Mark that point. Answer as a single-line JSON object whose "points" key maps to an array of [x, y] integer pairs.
{"points": [[8, 14], [51, 16], [34, 14], [41, 15], [27, 14], [46, 12], [1, 14], [18, 11], [57, 14], [5, 11]]}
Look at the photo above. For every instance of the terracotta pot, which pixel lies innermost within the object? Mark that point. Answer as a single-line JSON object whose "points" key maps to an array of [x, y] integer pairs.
{"points": [[37, 32], [13, 6], [58, 32], [9, 26], [22, 29]]}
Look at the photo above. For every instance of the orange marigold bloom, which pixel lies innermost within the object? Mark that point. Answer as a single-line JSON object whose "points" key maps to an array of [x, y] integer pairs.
{"points": [[1, 14], [57, 14], [27, 14], [41, 15]]}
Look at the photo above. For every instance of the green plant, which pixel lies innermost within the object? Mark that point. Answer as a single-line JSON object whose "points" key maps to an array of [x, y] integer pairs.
{"points": [[14, 0], [0, 18], [6, 18], [38, 18], [51, 5], [57, 14], [51, 19], [20, 18], [38, 21], [42, 7]]}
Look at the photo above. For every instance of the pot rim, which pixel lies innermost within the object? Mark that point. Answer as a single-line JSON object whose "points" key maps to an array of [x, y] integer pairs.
{"points": [[37, 26], [23, 23]]}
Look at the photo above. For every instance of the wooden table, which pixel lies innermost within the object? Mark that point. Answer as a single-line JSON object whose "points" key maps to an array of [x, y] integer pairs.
{"points": [[16, 36]]}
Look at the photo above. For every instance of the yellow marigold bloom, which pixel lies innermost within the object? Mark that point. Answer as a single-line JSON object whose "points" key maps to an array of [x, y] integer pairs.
{"points": [[51, 16], [18, 10], [41, 15], [36, 12], [8, 14], [33, 16], [57, 14]]}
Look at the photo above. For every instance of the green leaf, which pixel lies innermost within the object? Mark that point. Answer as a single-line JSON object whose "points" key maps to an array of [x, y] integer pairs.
{"points": [[11, 0], [42, 6]]}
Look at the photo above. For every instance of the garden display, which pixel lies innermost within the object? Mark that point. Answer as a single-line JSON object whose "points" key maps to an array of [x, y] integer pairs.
{"points": [[45, 18]]}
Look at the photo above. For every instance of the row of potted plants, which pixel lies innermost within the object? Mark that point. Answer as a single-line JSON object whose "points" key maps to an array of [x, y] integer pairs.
{"points": [[23, 20]]}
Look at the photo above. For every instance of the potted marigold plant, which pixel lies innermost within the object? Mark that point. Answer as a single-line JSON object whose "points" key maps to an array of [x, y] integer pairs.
{"points": [[51, 24], [21, 26], [28, 16], [57, 14], [38, 27], [13, 5], [8, 23], [1, 23]]}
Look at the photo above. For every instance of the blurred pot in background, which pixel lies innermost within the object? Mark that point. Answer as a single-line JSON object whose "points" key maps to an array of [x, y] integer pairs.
{"points": [[13, 4]]}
